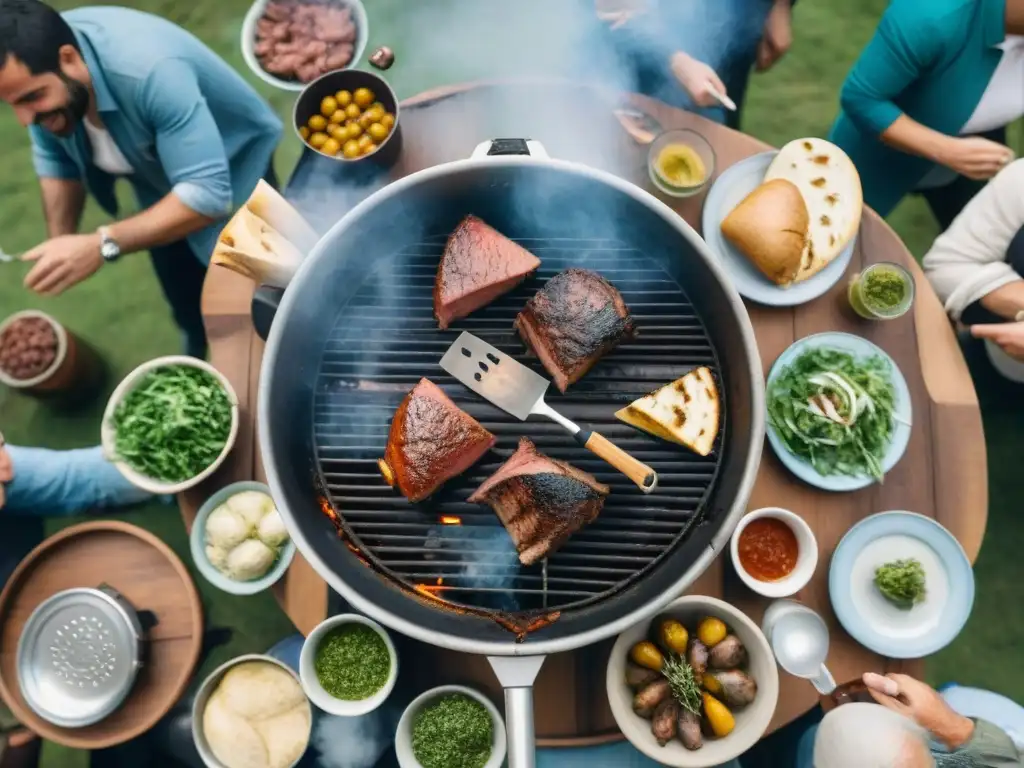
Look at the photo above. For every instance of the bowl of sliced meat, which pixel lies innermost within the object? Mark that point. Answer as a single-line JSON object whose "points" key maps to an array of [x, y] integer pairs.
{"points": [[289, 43]]}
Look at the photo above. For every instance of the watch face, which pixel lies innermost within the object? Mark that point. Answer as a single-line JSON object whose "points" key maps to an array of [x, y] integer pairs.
{"points": [[109, 251]]}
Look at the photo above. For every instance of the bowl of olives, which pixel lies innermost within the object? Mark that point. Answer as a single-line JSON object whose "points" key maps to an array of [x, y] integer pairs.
{"points": [[350, 116], [696, 686]]}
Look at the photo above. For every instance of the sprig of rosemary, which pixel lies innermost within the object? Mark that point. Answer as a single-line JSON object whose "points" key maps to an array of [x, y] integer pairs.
{"points": [[683, 683]]}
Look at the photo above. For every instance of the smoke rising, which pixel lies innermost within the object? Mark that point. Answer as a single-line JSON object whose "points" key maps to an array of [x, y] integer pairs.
{"points": [[354, 742], [489, 561]]}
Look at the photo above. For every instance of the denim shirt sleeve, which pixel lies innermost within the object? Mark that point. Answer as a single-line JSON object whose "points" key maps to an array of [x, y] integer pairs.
{"points": [[188, 141], [49, 157], [902, 49]]}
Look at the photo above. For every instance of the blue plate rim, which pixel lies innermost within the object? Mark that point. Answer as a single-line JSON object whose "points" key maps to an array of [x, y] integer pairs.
{"points": [[962, 591], [841, 483]]}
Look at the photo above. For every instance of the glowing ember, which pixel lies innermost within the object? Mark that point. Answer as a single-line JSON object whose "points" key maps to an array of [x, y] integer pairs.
{"points": [[450, 520]]}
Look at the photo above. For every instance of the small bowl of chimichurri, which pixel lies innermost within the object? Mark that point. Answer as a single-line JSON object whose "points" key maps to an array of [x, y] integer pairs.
{"points": [[451, 727], [883, 291], [348, 665]]}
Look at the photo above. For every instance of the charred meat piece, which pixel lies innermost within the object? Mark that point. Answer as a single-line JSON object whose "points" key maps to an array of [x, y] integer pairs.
{"points": [[576, 319], [478, 265], [431, 441], [541, 501]]}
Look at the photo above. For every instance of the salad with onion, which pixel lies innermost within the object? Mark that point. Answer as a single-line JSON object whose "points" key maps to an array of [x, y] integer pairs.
{"points": [[835, 411]]}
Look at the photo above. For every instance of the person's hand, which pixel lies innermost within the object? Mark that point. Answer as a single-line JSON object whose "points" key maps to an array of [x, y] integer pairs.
{"points": [[6, 470], [1009, 336], [62, 262], [698, 79], [922, 704], [975, 157], [777, 37]]}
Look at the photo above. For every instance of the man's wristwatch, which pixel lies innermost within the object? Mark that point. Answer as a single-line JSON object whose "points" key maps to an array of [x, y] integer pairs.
{"points": [[109, 248]]}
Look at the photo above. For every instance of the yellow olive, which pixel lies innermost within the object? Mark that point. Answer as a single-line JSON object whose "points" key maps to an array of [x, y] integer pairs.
{"points": [[369, 149], [331, 147], [673, 637], [363, 97], [377, 131], [304, 132], [337, 117], [374, 114], [353, 130], [365, 139], [351, 149], [328, 106], [711, 684], [379, 104], [318, 139], [711, 631], [719, 717], [647, 655], [344, 98], [353, 111], [339, 132], [388, 120], [317, 123]]}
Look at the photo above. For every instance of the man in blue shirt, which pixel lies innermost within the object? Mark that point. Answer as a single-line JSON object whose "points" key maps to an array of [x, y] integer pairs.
{"points": [[111, 93]]}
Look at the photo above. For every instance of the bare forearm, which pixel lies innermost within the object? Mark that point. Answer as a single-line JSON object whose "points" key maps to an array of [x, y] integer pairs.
{"points": [[63, 203], [1006, 301], [165, 222], [910, 136]]}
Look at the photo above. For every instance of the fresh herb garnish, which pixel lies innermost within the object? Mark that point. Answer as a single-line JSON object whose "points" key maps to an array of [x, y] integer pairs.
{"points": [[884, 288], [173, 424], [835, 411], [453, 732], [352, 662], [901, 582], [683, 682]]}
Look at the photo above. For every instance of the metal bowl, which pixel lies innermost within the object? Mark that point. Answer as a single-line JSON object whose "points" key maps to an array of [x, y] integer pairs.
{"points": [[249, 42], [308, 104], [78, 656]]}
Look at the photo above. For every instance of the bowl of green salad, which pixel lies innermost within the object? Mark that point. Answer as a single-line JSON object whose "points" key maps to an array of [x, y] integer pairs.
{"points": [[170, 423], [348, 665], [451, 725]]}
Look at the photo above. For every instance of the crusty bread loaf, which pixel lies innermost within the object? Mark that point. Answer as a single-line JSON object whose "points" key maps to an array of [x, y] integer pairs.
{"points": [[769, 227]]}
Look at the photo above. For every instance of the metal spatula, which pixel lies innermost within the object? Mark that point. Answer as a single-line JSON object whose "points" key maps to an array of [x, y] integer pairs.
{"points": [[514, 388]]}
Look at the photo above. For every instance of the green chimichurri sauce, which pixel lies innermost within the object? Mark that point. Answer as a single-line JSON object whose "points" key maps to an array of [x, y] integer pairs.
{"points": [[352, 662]]}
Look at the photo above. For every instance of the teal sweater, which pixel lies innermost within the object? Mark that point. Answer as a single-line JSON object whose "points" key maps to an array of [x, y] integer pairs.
{"points": [[928, 59]]}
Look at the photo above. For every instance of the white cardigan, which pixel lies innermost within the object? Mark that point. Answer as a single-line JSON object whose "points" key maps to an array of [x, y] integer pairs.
{"points": [[968, 260]]}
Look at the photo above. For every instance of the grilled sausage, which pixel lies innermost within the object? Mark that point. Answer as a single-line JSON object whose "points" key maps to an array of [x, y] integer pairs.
{"points": [[689, 730], [665, 721], [638, 677], [698, 657], [728, 654], [650, 697]]}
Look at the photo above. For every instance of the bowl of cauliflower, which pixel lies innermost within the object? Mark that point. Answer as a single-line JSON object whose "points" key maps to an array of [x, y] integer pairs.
{"points": [[239, 541]]}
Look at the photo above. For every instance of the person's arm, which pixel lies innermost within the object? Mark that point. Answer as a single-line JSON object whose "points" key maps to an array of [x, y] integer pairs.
{"points": [[63, 203], [990, 747], [967, 263]]}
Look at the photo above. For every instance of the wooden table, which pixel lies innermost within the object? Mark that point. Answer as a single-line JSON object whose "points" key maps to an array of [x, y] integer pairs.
{"points": [[942, 474]]}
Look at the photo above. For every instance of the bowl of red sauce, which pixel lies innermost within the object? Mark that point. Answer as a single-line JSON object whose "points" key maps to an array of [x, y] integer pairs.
{"points": [[774, 552]]}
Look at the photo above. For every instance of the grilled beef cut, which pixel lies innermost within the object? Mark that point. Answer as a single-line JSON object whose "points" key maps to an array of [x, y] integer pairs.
{"points": [[576, 319], [431, 441], [478, 265], [541, 501]]}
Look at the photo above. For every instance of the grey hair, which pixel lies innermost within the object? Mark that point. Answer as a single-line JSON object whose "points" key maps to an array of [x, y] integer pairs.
{"points": [[861, 735]]}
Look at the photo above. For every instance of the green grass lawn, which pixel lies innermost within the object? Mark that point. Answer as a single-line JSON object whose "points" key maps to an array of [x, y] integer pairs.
{"points": [[121, 311]]}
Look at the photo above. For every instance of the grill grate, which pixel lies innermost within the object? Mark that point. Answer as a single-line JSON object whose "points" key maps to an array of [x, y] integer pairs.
{"points": [[385, 339]]}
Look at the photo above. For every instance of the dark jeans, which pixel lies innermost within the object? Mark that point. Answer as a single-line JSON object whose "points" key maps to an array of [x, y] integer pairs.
{"points": [[946, 202], [975, 314]]}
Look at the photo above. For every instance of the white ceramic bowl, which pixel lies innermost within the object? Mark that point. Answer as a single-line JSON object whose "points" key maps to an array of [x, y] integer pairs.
{"points": [[403, 736], [62, 349], [197, 545], [127, 384], [249, 42], [807, 557], [751, 721], [206, 690], [311, 685]]}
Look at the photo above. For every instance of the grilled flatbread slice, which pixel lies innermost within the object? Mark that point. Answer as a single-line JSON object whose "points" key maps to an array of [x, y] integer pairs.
{"points": [[686, 411], [830, 185]]}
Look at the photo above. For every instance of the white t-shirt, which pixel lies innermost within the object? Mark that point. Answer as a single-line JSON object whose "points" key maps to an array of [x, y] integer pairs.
{"points": [[105, 154]]}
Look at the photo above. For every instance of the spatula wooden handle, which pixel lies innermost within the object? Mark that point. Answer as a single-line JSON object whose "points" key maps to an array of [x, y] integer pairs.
{"points": [[645, 477]]}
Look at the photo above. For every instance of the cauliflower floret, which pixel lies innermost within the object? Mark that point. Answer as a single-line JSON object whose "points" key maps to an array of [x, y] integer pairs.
{"points": [[249, 560]]}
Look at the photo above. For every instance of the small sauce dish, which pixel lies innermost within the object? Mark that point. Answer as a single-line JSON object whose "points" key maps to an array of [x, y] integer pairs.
{"points": [[774, 552]]}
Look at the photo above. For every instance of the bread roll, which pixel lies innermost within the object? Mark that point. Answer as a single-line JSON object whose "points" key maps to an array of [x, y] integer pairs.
{"points": [[769, 227]]}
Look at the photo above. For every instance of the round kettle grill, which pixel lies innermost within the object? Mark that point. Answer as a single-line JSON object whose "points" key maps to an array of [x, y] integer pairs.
{"points": [[355, 331]]}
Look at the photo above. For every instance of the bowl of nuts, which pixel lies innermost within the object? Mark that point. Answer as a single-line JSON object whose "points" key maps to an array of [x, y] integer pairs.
{"points": [[33, 347], [350, 116]]}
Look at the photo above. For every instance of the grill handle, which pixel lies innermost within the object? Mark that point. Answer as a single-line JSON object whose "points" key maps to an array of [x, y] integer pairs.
{"points": [[506, 147], [517, 675]]}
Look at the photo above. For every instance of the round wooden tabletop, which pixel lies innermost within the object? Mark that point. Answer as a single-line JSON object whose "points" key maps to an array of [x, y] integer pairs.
{"points": [[942, 474]]}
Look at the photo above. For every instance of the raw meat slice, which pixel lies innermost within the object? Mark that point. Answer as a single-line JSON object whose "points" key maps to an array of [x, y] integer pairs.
{"points": [[576, 319], [478, 265], [541, 501], [431, 441]]}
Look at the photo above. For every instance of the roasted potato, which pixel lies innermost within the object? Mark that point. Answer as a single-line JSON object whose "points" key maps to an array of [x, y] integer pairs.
{"points": [[648, 698], [728, 654], [733, 686], [638, 677], [697, 657], [665, 721], [688, 729]]}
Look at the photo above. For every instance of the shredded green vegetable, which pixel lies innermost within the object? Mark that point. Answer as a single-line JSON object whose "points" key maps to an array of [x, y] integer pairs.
{"points": [[901, 582], [835, 411], [173, 424], [453, 732]]}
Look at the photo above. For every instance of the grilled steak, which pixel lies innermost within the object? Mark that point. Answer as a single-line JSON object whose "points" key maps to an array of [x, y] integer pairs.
{"points": [[478, 265], [541, 501], [431, 441], [578, 317]]}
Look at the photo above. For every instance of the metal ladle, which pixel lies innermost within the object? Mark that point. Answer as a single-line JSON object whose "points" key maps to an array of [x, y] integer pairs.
{"points": [[799, 639]]}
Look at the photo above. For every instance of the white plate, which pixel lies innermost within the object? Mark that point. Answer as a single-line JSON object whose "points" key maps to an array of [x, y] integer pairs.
{"points": [[736, 182], [858, 347]]}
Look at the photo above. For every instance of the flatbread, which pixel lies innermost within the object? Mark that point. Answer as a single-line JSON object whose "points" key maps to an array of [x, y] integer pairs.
{"points": [[686, 411], [830, 185]]}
